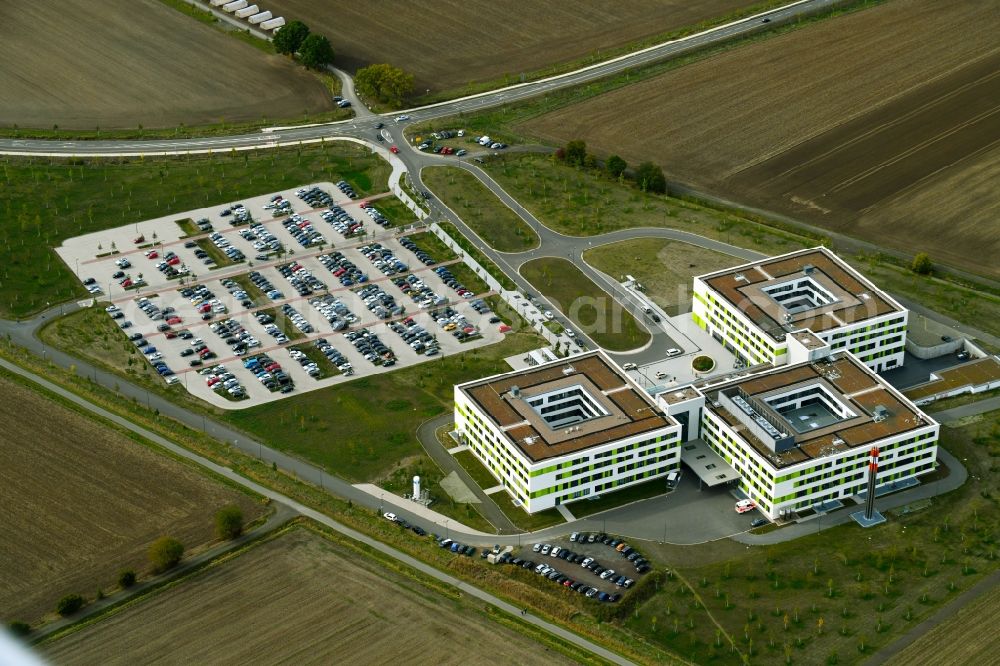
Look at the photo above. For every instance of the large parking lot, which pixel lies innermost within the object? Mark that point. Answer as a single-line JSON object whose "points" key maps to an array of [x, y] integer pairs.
{"points": [[327, 290]]}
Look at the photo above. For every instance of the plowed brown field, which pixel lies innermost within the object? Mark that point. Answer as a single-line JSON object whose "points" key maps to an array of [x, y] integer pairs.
{"points": [[299, 600], [449, 43], [82, 502], [882, 124], [81, 64]]}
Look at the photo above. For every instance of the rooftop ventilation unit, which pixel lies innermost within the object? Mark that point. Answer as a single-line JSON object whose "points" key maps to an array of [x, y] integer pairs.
{"points": [[739, 277], [808, 269], [880, 413], [568, 370], [515, 392], [530, 440], [865, 296]]}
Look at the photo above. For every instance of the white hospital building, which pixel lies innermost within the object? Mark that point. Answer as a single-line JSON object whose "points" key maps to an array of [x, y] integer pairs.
{"points": [[566, 430], [752, 308]]}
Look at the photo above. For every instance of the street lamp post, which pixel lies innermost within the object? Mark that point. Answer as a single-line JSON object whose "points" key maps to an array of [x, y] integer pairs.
{"points": [[446, 528]]}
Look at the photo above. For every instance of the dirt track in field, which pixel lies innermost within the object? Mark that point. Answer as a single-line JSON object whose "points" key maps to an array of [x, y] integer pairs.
{"points": [[82, 502], [81, 64], [449, 43], [299, 599], [883, 124]]}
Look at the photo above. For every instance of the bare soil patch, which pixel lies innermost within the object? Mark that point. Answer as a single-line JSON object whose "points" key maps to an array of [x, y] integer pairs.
{"points": [[123, 63], [448, 44], [881, 124], [299, 599], [83, 502]]}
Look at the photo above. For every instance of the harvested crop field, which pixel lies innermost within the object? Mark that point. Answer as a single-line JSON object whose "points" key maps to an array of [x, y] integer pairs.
{"points": [[299, 599], [124, 63], [882, 124], [967, 637], [447, 44], [83, 502]]}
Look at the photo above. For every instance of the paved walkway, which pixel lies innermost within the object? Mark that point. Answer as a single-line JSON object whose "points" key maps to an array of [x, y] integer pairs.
{"points": [[317, 516]]}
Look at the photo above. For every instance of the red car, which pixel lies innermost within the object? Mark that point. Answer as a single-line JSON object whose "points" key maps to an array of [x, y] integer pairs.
{"points": [[126, 283], [171, 335], [173, 261], [152, 254], [174, 320], [139, 239], [394, 149]]}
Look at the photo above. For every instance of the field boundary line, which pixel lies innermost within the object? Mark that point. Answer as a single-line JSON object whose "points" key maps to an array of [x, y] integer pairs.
{"points": [[165, 581]]}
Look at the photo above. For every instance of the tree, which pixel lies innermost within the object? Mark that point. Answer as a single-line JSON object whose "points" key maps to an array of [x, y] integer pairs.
{"points": [[922, 264], [590, 162], [615, 166], [650, 178], [576, 152], [229, 522], [289, 39], [126, 578], [315, 52], [383, 82], [165, 553], [69, 604]]}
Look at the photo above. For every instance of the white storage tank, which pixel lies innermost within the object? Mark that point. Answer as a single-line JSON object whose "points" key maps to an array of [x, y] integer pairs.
{"points": [[216, 3], [260, 18], [273, 24], [416, 487], [234, 5], [247, 11]]}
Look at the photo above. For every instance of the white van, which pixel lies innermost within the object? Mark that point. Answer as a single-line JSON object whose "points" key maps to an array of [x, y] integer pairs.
{"points": [[673, 478], [485, 141]]}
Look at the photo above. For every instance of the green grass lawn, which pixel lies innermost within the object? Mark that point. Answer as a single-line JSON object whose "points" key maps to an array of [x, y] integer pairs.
{"points": [[326, 368], [524, 520], [591, 308], [664, 268], [48, 200], [498, 226], [582, 202], [839, 595], [361, 429], [400, 482]]}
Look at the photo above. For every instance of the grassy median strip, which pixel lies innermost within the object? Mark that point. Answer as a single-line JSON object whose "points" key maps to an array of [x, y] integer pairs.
{"points": [[585, 304], [432, 245], [283, 323], [326, 368], [215, 254], [499, 226], [477, 256]]}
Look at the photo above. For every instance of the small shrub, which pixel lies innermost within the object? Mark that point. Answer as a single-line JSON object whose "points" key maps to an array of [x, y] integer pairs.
{"points": [[126, 578], [69, 604], [165, 553], [19, 628], [229, 522]]}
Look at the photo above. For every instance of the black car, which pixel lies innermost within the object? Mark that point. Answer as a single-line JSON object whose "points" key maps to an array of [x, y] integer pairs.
{"points": [[758, 522]]}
